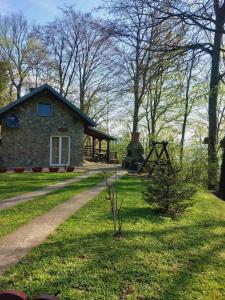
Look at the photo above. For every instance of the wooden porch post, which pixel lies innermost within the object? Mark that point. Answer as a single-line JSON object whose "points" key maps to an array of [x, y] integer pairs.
{"points": [[93, 147], [100, 146], [108, 150]]}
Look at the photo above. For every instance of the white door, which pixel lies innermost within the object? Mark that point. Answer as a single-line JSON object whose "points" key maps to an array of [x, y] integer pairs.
{"points": [[59, 150]]}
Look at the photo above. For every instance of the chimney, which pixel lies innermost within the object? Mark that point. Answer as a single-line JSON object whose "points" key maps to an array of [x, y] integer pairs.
{"points": [[31, 89], [135, 137]]}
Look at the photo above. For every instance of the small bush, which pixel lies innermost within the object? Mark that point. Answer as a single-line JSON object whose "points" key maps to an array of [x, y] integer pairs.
{"points": [[167, 190], [116, 206]]}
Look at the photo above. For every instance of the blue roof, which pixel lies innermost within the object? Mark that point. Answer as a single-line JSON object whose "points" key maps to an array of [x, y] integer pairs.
{"points": [[56, 94]]}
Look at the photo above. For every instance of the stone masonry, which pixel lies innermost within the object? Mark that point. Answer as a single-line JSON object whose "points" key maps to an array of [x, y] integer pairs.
{"points": [[29, 145]]}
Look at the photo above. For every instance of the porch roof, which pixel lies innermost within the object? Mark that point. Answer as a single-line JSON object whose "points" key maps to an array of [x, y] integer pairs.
{"points": [[95, 133]]}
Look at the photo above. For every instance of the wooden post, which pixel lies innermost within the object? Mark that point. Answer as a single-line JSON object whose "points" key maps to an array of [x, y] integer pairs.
{"points": [[93, 147], [100, 146], [108, 150]]}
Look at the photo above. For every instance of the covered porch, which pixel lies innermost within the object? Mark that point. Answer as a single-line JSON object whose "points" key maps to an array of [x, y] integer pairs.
{"points": [[97, 146]]}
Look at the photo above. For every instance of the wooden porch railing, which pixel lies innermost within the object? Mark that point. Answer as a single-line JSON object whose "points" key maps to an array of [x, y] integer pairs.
{"points": [[96, 155]]}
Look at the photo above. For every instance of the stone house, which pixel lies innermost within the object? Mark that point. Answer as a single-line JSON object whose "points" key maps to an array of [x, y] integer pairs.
{"points": [[44, 129]]}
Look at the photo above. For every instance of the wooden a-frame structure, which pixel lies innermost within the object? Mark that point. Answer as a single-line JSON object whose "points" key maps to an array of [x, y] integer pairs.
{"points": [[149, 164]]}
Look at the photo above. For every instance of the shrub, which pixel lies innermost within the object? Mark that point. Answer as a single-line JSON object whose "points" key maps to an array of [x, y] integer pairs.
{"points": [[167, 190]]}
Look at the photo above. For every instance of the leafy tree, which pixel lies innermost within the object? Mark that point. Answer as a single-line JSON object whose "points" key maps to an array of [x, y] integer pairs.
{"points": [[204, 23], [4, 83]]}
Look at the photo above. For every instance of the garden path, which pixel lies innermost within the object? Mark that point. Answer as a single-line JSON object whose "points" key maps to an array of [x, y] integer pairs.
{"points": [[15, 246], [41, 192]]}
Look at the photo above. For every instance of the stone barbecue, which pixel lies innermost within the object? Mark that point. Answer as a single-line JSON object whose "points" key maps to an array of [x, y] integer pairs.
{"points": [[135, 152]]}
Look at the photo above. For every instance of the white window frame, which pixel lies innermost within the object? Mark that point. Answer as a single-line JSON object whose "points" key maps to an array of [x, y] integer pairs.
{"points": [[60, 150]]}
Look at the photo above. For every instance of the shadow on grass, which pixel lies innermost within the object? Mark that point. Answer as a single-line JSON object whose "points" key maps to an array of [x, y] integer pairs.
{"points": [[162, 262], [13, 217], [90, 261]]}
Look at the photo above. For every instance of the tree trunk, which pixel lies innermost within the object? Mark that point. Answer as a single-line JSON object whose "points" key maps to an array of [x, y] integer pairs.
{"points": [[18, 91], [183, 135], [212, 108], [222, 177], [153, 121], [136, 112], [186, 112], [82, 94]]}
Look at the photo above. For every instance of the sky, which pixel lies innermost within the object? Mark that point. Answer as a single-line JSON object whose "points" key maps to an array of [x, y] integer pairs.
{"points": [[41, 11]]}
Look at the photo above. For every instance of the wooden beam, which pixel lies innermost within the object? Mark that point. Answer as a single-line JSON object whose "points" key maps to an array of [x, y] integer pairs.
{"points": [[108, 150]]}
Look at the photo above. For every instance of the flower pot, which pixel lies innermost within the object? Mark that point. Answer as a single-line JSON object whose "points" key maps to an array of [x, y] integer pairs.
{"points": [[3, 169], [69, 169], [53, 169], [19, 170], [37, 169]]}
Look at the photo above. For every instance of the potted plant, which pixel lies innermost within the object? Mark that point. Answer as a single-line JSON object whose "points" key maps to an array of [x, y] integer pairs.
{"points": [[3, 169], [53, 169], [37, 169], [19, 169], [69, 168]]}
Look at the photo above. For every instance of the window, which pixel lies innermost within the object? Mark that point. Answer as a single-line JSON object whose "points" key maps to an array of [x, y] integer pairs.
{"points": [[45, 109]]}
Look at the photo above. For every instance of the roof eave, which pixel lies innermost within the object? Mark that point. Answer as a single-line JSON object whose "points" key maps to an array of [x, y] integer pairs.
{"points": [[49, 88]]}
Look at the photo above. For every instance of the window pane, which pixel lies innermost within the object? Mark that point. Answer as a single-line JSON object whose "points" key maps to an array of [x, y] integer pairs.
{"points": [[65, 149], [45, 109], [55, 150]]}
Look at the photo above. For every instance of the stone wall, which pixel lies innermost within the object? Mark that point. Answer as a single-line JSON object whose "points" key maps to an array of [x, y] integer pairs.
{"points": [[29, 145]]}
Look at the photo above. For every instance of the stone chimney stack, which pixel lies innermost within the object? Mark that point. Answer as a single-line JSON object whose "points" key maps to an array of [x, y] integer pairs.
{"points": [[135, 137], [135, 152]]}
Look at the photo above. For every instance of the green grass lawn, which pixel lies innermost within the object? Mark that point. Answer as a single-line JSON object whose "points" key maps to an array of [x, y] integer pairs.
{"points": [[20, 214], [12, 184], [158, 257]]}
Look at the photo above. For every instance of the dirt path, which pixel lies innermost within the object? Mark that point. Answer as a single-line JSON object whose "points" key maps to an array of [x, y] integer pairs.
{"points": [[44, 191], [14, 246]]}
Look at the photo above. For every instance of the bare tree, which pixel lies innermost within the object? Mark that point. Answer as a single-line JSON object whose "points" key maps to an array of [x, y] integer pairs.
{"points": [[61, 38], [94, 64], [161, 105], [19, 46], [133, 33], [188, 100], [137, 34], [80, 60]]}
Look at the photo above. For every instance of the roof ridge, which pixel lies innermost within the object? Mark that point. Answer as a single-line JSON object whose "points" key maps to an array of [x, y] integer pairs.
{"points": [[58, 95]]}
